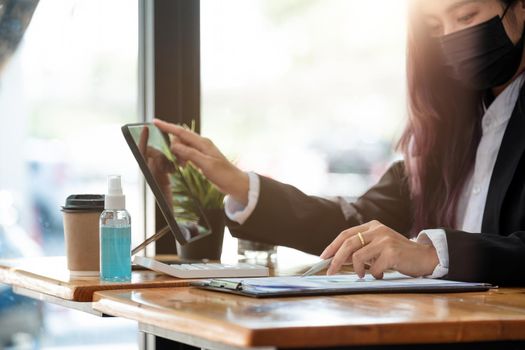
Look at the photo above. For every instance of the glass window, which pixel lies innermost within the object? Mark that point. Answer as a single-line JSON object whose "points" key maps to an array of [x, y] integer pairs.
{"points": [[63, 97], [311, 93]]}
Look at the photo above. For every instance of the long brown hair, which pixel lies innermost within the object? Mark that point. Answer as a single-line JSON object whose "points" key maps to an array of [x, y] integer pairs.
{"points": [[442, 134]]}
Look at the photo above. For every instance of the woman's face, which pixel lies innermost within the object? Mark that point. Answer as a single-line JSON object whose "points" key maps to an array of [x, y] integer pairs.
{"points": [[443, 17]]}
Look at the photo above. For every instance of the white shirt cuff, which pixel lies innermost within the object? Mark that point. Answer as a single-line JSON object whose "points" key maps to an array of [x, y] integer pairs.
{"points": [[438, 238], [237, 212]]}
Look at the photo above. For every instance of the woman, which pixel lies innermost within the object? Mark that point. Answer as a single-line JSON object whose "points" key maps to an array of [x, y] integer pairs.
{"points": [[460, 191]]}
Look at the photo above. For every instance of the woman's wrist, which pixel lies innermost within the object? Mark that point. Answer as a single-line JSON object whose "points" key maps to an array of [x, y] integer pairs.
{"points": [[241, 187], [433, 259]]}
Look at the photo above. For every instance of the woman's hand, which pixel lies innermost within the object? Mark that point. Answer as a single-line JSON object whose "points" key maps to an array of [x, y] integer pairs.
{"points": [[189, 146], [383, 249]]}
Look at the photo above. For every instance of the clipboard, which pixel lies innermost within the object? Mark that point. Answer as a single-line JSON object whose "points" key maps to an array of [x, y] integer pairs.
{"points": [[392, 282]]}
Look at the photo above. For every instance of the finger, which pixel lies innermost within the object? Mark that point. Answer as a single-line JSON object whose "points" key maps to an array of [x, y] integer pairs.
{"points": [[365, 255], [343, 254], [379, 266], [333, 247], [143, 141], [184, 135], [199, 159], [167, 127], [352, 244]]}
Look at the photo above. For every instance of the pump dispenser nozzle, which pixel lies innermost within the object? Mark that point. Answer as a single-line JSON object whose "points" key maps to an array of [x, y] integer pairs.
{"points": [[115, 199]]}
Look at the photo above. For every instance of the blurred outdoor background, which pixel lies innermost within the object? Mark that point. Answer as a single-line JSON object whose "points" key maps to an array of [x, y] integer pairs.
{"points": [[309, 92]]}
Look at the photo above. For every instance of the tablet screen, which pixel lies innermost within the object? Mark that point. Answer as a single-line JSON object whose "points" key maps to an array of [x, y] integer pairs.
{"points": [[170, 186]]}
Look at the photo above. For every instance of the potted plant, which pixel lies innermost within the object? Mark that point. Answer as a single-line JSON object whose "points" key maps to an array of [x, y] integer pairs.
{"points": [[194, 194], [191, 189]]}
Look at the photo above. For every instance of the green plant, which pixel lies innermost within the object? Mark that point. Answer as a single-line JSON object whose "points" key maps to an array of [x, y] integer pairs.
{"points": [[191, 188], [189, 182]]}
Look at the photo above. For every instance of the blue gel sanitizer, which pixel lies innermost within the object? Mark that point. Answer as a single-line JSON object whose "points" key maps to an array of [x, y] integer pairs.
{"points": [[115, 235]]}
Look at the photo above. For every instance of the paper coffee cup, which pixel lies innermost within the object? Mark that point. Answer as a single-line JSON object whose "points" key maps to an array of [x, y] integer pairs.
{"points": [[81, 233]]}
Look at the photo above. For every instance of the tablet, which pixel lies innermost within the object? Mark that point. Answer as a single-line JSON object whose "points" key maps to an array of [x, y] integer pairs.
{"points": [[183, 212]]}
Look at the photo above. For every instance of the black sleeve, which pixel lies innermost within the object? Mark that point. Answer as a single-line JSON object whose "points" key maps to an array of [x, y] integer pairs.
{"points": [[286, 216], [486, 257]]}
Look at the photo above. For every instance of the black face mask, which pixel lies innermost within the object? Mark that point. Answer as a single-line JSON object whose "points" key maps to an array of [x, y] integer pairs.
{"points": [[482, 56]]}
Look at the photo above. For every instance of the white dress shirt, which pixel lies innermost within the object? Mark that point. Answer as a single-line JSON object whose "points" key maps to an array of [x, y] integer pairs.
{"points": [[471, 205]]}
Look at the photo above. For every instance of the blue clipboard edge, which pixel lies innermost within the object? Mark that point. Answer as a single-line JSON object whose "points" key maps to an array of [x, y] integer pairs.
{"points": [[452, 288]]}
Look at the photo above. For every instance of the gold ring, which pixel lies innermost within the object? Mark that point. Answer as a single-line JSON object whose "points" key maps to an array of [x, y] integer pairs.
{"points": [[361, 239]]}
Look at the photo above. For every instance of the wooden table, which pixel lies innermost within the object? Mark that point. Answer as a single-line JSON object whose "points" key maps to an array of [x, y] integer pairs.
{"points": [[48, 279], [218, 320]]}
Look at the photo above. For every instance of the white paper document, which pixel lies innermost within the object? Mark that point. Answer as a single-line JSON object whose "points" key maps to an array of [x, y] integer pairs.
{"points": [[390, 279], [337, 284]]}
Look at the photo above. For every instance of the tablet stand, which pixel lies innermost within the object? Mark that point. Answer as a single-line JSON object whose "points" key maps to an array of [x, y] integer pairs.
{"points": [[153, 238]]}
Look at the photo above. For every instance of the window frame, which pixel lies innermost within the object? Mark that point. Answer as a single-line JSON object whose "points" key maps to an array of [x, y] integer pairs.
{"points": [[169, 79]]}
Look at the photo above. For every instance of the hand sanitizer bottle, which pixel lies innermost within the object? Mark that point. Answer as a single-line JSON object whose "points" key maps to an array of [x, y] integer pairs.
{"points": [[115, 235]]}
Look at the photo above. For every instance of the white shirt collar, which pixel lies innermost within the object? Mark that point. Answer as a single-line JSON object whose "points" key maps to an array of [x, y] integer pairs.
{"points": [[501, 109]]}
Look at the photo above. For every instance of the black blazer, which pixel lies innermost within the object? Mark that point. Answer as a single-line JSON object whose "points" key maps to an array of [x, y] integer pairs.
{"points": [[286, 216]]}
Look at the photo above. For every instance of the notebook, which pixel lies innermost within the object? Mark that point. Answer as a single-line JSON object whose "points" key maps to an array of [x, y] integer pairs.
{"points": [[392, 282]]}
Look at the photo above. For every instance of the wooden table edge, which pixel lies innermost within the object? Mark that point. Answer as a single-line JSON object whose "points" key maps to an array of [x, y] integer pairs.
{"points": [[80, 296], [386, 334], [454, 331], [60, 289], [232, 335]]}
